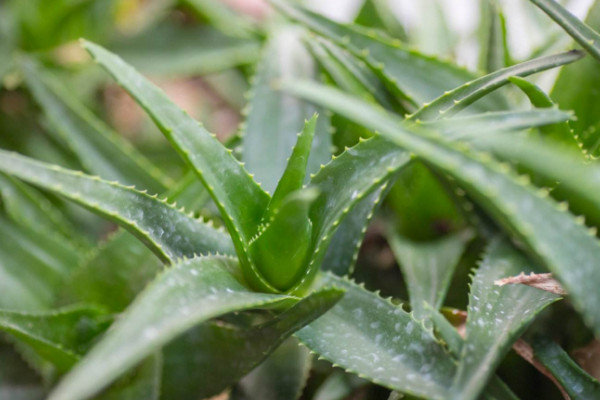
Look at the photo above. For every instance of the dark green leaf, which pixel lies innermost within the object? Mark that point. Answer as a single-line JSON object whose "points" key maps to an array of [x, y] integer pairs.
{"points": [[182, 297], [170, 233]]}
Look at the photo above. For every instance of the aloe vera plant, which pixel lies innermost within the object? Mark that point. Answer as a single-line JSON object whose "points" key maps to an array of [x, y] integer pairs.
{"points": [[352, 240]]}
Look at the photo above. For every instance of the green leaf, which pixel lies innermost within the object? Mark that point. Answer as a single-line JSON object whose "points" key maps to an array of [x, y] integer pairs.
{"points": [[413, 77], [561, 133], [222, 17], [171, 50], [338, 386], [295, 171], [555, 237], [213, 356], [30, 208], [169, 232], [343, 183], [377, 14], [17, 380], [185, 295], [577, 178], [576, 382], [282, 376], [574, 89], [239, 199], [428, 267], [587, 38], [494, 52], [100, 150], [497, 316], [459, 98], [473, 126], [144, 382], [377, 340], [342, 251], [281, 261], [33, 267], [275, 118], [58, 336], [348, 72]]}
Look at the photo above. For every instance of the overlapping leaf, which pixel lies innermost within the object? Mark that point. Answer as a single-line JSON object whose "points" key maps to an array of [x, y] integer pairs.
{"points": [[169, 232], [549, 232], [185, 295]]}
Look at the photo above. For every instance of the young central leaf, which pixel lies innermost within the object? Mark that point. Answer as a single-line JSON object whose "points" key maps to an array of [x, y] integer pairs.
{"points": [[280, 248]]}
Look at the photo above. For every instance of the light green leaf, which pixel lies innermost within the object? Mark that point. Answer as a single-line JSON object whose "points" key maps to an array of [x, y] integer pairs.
{"points": [[474, 126], [338, 386], [169, 232], [574, 89], [100, 150], [428, 267], [413, 77], [33, 267], [576, 382], [17, 380], [282, 376], [185, 295], [275, 118], [494, 52], [222, 17], [497, 316], [561, 133], [459, 98], [58, 336], [343, 249], [239, 199], [588, 38], [553, 235], [170, 50], [578, 179], [213, 356], [30, 208], [377, 340], [345, 182], [144, 382], [295, 171]]}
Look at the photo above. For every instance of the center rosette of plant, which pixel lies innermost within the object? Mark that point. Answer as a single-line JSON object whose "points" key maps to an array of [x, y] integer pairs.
{"points": [[280, 252]]}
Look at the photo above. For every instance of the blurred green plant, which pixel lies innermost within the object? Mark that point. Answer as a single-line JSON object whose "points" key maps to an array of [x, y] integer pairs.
{"points": [[137, 271]]}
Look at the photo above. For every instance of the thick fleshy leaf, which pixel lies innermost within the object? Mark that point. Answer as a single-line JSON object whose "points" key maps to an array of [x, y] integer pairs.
{"points": [[182, 297], [497, 316], [564, 246], [144, 382], [415, 78], [343, 249], [33, 267], [574, 89], [577, 178], [349, 73], [171, 51], [587, 38], [59, 337], [274, 118], [29, 208], [459, 98], [17, 380], [213, 356], [428, 267], [457, 128], [170, 233], [494, 52], [222, 17], [344, 183], [295, 171], [282, 376], [377, 340], [100, 150], [574, 380], [239, 199], [558, 132]]}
